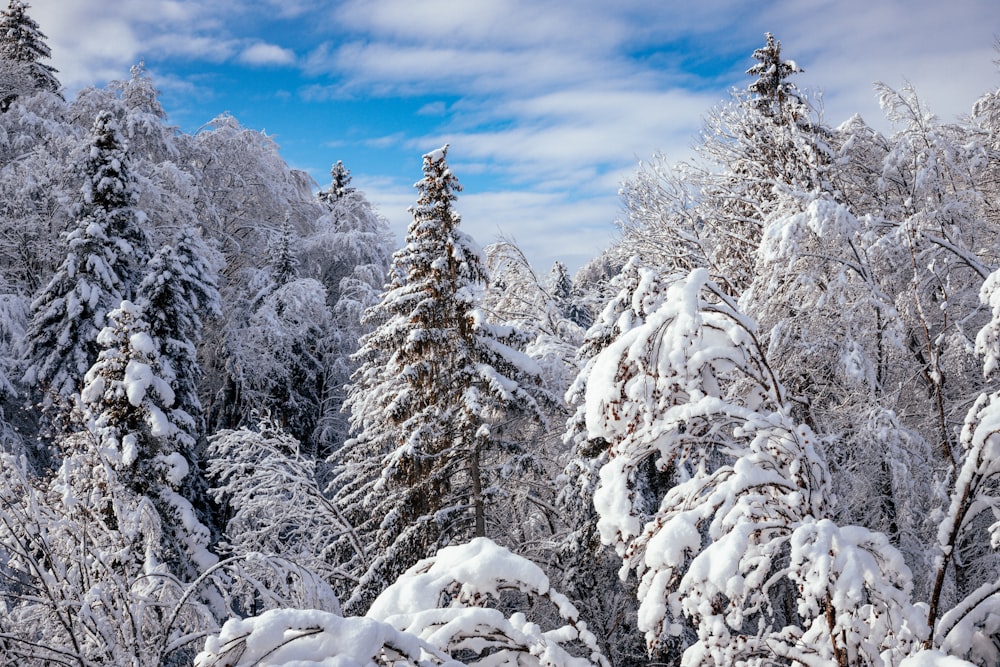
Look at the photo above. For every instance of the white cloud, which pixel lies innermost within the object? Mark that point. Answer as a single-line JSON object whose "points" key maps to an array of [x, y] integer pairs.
{"points": [[267, 54], [548, 104]]}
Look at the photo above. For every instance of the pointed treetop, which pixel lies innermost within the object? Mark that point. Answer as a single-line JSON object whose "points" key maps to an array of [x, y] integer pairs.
{"points": [[436, 156], [340, 181], [772, 87]]}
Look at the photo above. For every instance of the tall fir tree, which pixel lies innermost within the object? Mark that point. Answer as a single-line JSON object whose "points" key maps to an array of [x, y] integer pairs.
{"points": [[180, 286], [429, 402], [127, 401], [23, 45], [106, 252]]}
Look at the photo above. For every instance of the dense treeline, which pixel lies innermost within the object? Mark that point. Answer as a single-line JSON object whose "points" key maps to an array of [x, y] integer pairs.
{"points": [[761, 429]]}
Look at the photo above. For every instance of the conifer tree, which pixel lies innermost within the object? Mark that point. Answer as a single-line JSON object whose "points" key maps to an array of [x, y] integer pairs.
{"points": [[429, 401], [768, 137], [127, 400], [772, 91], [105, 255], [180, 285], [340, 184], [23, 44], [284, 264]]}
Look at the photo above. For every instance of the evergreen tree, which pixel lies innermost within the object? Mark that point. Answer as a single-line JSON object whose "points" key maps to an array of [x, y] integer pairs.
{"points": [[106, 252], [21, 42], [340, 184], [284, 263], [428, 403], [179, 286], [768, 137], [565, 295], [772, 91], [127, 401]]}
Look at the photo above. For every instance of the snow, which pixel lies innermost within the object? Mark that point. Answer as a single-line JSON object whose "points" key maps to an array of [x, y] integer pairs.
{"points": [[482, 567], [176, 467], [933, 658], [304, 638], [437, 155]]}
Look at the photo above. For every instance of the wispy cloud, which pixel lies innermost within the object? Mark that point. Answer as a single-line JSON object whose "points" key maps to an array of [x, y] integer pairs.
{"points": [[547, 105]]}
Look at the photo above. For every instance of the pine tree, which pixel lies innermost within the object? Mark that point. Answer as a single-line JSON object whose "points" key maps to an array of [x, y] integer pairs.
{"points": [[21, 42], [106, 252], [429, 401]]}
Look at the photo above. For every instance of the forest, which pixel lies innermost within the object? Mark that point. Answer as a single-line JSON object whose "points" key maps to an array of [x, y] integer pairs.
{"points": [[239, 427]]}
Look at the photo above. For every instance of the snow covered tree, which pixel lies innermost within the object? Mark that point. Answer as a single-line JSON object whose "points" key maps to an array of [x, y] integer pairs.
{"points": [[284, 263], [127, 402], [180, 286], [431, 398], [969, 627], [769, 136], [270, 491], [711, 213], [740, 544], [82, 581], [106, 252], [340, 184], [22, 43], [276, 359], [348, 250], [772, 91]]}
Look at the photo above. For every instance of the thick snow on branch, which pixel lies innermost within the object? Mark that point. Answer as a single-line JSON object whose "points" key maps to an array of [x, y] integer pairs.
{"points": [[435, 610], [718, 499]]}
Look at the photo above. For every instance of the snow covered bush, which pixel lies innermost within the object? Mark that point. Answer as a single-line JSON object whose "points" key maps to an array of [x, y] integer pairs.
{"points": [[439, 612], [271, 495]]}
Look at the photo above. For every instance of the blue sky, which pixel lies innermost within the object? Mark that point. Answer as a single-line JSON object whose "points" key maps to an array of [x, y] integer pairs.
{"points": [[547, 105]]}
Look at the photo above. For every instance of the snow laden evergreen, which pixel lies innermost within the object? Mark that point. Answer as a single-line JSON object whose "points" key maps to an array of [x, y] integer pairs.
{"points": [[127, 403], [179, 288], [340, 185], [106, 252], [22, 48], [430, 401]]}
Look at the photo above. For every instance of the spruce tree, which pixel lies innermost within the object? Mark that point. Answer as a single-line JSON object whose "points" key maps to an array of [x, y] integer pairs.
{"points": [[105, 254], [284, 263], [429, 402], [127, 401], [772, 91], [179, 286], [23, 44], [340, 184]]}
